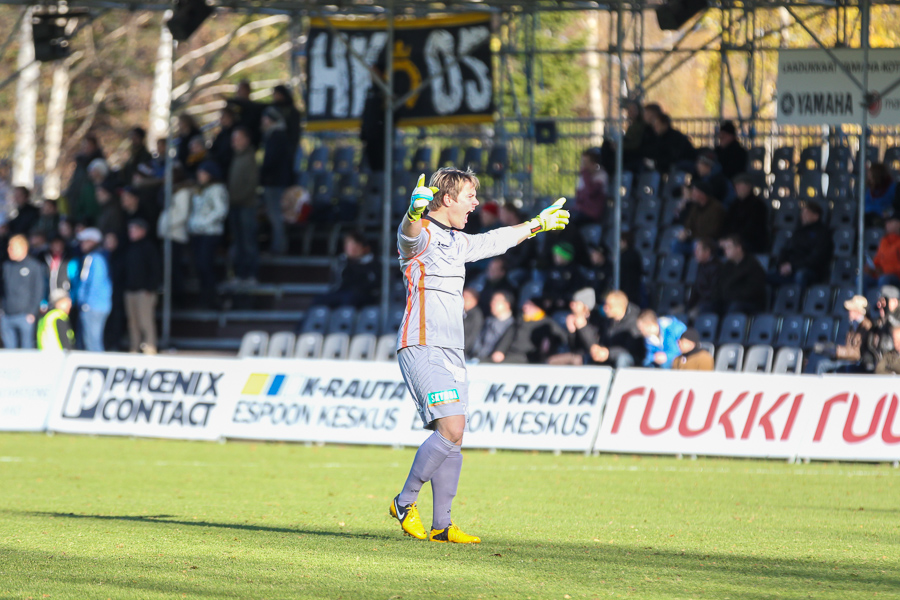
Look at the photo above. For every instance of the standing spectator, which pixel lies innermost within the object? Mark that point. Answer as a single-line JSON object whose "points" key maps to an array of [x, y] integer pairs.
{"points": [[243, 179], [583, 332], [590, 191], [136, 206], [704, 217], [54, 331], [222, 148], [89, 151], [25, 215], [880, 192], [48, 221], [142, 280], [283, 101], [57, 266], [172, 225], [109, 216], [276, 174], [473, 321], [187, 130], [889, 364], [731, 155], [93, 291], [885, 267], [206, 223], [357, 275], [116, 321], [661, 335], [23, 292], [247, 112], [372, 132], [806, 257], [704, 295], [672, 148], [621, 344], [84, 206], [536, 337], [6, 187], [635, 134], [827, 357], [138, 154], [693, 356], [197, 153], [748, 216], [496, 328], [742, 281]]}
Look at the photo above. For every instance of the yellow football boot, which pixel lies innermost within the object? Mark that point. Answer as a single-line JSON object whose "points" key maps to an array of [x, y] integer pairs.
{"points": [[409, 519], [454, 535]]}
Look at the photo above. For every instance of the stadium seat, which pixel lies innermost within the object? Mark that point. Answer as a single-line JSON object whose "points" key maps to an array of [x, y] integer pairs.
{"points": [[730, 357], [362, 347], [810, 186], [793, 331], [626, 186], [844, 271], [818, 300], [336, 346], [892, 160], [842, 293], [762, 329], [783, 160], [341, 320], [690, 274], [498, 161], [671, 268], [422, 160], [254, 343], [531, 289], [647, 213], [473, 159], [839, 160], [872, 157], [787, 216], [759, 359], [394, 320], [449, 157], [668, 238], [344, 160], [670, 211], [368, 320], [810, 159], [756, 158], [645, 240], [759, 180], [707, 324], [592, 234], [386, 349], [281, 345], [318, 160], [399, 158], [840, 186], [872, 239], [671, 299], [843, 213], [844, 241], [782, 236], [676, 181], [648, 265], [788, 360], [733, 329], [843, 326], [648, 185], [316, 319], [309, 345], [783, 186], [822, 329], [787, 299]]}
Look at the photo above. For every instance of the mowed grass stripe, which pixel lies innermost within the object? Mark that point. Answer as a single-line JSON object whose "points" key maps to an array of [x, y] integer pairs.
{"points": [[84, 517]]}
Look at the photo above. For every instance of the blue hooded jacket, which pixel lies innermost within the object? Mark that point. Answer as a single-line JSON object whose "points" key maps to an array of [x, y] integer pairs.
{"points": [[94, 287], [670, 330]]}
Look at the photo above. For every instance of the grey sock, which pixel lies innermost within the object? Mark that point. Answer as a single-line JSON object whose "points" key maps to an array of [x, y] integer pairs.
{"points": [[443, 488], [431, 454]]}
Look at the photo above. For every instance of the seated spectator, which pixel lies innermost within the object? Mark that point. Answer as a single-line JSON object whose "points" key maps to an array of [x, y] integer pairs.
{"points": [[23, 291], [48, 221], [206, 223], [631, 270], [884, 268], [473, 321], [672, 148], [243, 179], [703, 216], [693, 356], [93, 290], [599, 271], [709, 171], [748, 216], [729, 152], [54, 330], [143, 277], [742, 281], [25, 215], [704, 294], [563, 279], [880, 191], [495, 280], [536, 337], [889, 364], [590, 191], [496, 327], [806, 257], [848, 357], [661, 335], [356, 277], [621, 343], [880, 339], [582, 329], [633, 140]]}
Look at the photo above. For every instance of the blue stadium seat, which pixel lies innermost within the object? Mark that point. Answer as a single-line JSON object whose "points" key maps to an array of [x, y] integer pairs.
{"points": [[498, 161], [674, 184], [344, 160], [818, 300], [473, 159], [844, 271], [318, 160], [671, 268], [531, 289], [839, 159], [399, 158], [844, 241], [822, 329], [810, 186], [840, 186], [368, 320], [341, 320], [690, 274], [422, 160], [592, 234], [810, 159], [787, 216], [872, 239], [648, 185], [645, 240], [668, 238], [762, 329], [843, 213], [756, 158], [316, 319], [787, 299], [733, 329], [842, 293], [648, 212], [793, 331], [671, 299], [783, 186], [449, 157], [707, 324], [782, 237]]}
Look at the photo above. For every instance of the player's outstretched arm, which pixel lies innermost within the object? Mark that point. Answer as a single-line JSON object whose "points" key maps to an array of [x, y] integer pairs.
{"points": [[418, 202], [551, 218]]}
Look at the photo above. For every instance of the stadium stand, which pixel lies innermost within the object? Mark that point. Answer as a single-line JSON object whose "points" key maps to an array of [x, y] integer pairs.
{"points": [[254, 343], [309, 345]]}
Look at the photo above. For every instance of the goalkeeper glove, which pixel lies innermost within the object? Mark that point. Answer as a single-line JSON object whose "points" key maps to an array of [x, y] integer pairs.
{"points": [[551, 218], [420, 199]]}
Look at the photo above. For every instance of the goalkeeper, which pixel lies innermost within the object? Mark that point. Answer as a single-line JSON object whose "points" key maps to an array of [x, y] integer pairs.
{"points": [[433, 252]]}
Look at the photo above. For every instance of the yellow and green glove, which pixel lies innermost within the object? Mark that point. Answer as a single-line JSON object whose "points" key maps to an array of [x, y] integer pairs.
{"points": [[550, 219], [421, 198]]}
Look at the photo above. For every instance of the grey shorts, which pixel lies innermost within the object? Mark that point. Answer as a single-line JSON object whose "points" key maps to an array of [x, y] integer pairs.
{"points": [[437, 380]]}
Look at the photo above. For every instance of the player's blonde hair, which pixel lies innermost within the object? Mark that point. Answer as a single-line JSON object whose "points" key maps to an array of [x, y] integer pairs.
{"points": [[449, 180]]}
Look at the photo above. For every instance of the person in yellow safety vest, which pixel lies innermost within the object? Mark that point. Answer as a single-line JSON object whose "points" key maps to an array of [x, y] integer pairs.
{"points": [[54, 331]]}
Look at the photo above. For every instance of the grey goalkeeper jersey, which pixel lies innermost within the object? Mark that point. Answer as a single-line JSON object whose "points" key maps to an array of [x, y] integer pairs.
{"points": [[433, 266]]}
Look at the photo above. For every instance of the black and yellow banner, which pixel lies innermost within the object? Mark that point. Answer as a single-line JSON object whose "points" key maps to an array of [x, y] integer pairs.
{"points": [[449, 57]]}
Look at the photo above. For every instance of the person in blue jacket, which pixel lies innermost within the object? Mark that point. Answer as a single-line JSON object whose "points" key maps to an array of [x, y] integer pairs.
{"points": [[93, 292], [661, 335]]}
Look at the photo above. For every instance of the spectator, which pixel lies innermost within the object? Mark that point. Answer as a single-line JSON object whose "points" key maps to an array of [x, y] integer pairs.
{"points": [[519, 259], [536, 337], [247, 112], [48, 221], [243, 179], [473, 321], [138, 154], [23, 291], [84, 207], [136, 206], [709, 171], [356, 281], [704, 295], [631, 269], [693, 356], [283, 101], [884, 269], [590, 191], [57, 268], [172, 225], [583, 331], [599, 272], [158, 164], [197, 153], [187, 130], [880, 192], [748, 216], [704, 217], [6, 187], [25, 215], [372, 131], [222, 150], [620, 344], [827, 357], [742, 280], [661, 335], [206, 223], [109, 216], [496, 327], [563, 279], [54, 330], [89, 152], [806, 257], [276, 174], [93, 291], [880, 339], [116, 321], [889, 364], [635, 133], [729, 152], [672, 148], [495, 280], [142, 281]]}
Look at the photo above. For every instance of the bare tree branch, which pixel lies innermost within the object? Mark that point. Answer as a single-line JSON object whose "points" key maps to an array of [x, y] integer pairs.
{"points": [[227, 39]]}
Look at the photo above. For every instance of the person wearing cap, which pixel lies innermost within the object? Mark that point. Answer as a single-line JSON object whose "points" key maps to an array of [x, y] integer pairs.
{"points": [[536, 337], [889, 363], [661, 335], [704, 217], [582, 329], [93, 290], [206, 224], [847, 357], [276, 174], [729, 152], [590, 190], [23, 290], [885, 266], [54, 331], [806, 257], [693, 356], [564, 278], [143, 276], [748, 216]]}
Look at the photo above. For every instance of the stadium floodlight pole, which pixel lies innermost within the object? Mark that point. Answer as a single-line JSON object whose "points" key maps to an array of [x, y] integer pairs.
{"points": [[620, 156], [864, 11], [388, 185], [167, 208]]}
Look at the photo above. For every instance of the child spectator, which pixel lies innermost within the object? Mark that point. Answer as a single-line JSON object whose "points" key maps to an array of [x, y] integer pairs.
{"points": [[661, 335]]}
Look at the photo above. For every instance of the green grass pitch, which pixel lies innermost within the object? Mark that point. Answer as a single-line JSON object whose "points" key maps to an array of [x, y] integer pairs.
{"points": [[85, 518]]}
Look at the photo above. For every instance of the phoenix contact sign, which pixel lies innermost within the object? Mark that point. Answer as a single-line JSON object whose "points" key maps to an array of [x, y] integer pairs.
{"points": [[814, 90]]}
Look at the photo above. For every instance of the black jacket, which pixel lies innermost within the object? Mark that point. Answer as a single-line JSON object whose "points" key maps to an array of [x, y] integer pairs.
{"points": [[623, 337], [23, 286], [142, 266], [24, 221], [809, 248], [706, 286], [533, 341], [749, 218], [671, 148], [743, 282], [733, 159], [277, 168]]}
